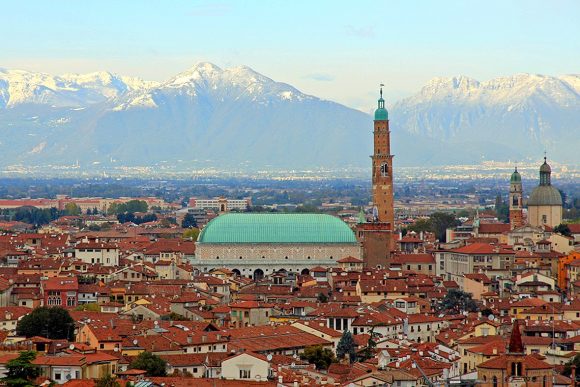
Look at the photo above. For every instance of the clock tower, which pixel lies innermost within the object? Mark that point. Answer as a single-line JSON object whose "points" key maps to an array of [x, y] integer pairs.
{"points": [[376, 236], [516, 201], [382, 173]]}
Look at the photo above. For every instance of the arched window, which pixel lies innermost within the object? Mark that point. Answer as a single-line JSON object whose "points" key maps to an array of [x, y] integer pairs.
{"points": [[494, 380], [384, 169]]}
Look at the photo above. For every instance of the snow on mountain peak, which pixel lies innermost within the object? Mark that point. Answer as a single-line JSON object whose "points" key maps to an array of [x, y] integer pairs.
{"points": [[73, 90]]}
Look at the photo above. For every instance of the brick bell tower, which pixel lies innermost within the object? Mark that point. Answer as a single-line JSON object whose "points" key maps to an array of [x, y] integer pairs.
{"points": [[376, 237], [516, 201], [382, 166]]}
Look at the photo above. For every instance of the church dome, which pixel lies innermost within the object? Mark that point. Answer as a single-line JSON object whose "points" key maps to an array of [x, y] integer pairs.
{"points": [[381, 113], [516, 177], [276, 228], [545, 195]]}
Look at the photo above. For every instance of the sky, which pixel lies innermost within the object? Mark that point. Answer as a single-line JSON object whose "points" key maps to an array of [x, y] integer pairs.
{"points": [[338, 50]]}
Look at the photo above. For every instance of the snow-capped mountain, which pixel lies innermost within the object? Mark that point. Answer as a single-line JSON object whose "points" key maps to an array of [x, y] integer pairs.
{"points": [[70, 90], [207, 79], [203, 116], [236, 117], [517, 116]]}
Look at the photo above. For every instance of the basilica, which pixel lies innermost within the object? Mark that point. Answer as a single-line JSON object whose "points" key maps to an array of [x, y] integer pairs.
{"points": [[544, 203], [255, 245]]}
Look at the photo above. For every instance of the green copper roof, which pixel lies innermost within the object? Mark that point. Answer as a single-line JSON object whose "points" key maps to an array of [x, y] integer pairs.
{"points": [[276, 228], [516, 177], [381, 113]]}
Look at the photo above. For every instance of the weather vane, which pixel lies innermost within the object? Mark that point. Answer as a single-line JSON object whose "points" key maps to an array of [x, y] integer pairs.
{"points": [[382, 85]]}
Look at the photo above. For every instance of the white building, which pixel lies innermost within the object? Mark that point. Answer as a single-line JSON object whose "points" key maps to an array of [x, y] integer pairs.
{"points": [[106, 254], [220, 204]]}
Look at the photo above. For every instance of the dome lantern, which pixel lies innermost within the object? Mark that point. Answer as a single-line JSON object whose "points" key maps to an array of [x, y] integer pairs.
{"points": [[381, 113], [516, 177], [545, 173]]}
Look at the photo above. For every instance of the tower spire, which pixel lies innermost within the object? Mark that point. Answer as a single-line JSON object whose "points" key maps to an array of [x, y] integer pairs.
{"points": [[381, 113], [516, 345]]}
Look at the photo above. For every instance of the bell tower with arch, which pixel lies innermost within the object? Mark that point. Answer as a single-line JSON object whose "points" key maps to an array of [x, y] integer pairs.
{"points": [[516, 201], [376, 236], [382, 168]]}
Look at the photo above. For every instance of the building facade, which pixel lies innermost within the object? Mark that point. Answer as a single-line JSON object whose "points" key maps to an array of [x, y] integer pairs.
{"points": [[220, 204], [258, 244]]}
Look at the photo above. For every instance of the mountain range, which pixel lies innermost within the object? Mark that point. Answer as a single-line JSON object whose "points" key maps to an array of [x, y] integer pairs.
{"points": [[237, 118]]}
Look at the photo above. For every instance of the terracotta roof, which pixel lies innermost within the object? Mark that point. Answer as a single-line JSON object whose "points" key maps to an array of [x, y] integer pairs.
{"points": [[529, 362], [350, 259], [483, 248], [493, 228]]}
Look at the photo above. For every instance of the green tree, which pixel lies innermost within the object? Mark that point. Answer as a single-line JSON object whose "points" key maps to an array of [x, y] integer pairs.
{"points": [[307, 208], [502, 209], [457, 301], [320, 357], [72, 209], [563, 229], [133, 206], [420, 225], [440, 222], [94, 227], [568, 367], [368, 352], [21, 371], [346, 347], [112, 210], [107, 381], [189, 221], [90, 307], [153, 364], [191, 233], [53, 323]]}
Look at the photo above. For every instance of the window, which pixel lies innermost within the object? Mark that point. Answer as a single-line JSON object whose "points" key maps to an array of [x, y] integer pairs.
{"points": [[70, 301], [245, 374], [494, 381], [57, 375], [384, 169], [544, 219]]}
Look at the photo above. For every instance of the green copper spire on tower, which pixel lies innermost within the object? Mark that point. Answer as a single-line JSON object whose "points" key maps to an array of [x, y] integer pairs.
{"points": [[516, 177], [361, 217], [381, 113]]}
